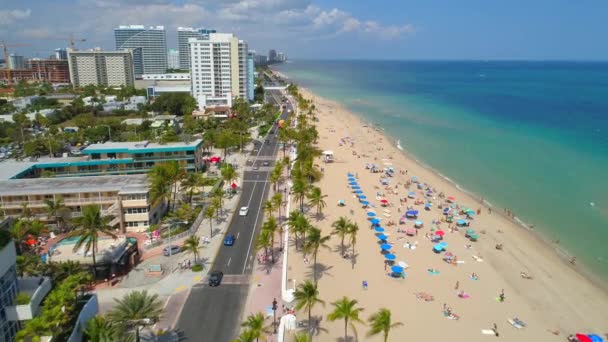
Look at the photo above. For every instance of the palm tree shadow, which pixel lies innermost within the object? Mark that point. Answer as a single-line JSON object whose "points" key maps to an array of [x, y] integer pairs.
{"points": [[321, 271], [316, 328], [268, 266]]}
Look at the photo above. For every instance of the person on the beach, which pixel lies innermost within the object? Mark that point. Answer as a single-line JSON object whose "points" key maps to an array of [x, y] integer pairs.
{"points": [[474, 276], [457, 285], [501, 296], [495, 329]]}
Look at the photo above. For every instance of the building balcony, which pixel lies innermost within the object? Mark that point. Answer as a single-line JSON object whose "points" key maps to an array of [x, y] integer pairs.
{"points": [[67, 201], [36, 288]]}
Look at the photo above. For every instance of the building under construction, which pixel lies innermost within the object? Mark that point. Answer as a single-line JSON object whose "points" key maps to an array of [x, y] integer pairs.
{"points": [[39, 70]]}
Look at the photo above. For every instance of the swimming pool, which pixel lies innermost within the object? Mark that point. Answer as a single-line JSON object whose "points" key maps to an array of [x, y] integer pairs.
{"points": [[68, 241]]}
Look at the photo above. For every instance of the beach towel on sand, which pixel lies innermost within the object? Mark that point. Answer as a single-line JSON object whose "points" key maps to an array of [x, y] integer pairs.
{"points": [[433, 272], [487, 332]]}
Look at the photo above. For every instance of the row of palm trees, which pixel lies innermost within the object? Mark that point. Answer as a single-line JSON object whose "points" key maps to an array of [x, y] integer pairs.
{"points": [[307, 297]]}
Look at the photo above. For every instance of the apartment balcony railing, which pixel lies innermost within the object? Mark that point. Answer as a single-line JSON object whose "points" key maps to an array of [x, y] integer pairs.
{"points": [[66, 201], [38, 288]]}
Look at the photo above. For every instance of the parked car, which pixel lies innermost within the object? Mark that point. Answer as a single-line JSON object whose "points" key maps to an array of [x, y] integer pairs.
{"points": [[215, 278], [243, 211], [229, 240], [266, 163], [171, 250]]}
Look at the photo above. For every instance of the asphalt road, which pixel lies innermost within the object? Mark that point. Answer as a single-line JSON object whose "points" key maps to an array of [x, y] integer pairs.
{"points": [[213, 313]]}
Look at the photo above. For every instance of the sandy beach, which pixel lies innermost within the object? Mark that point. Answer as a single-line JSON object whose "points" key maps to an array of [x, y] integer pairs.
{"points": [[556, 302]]}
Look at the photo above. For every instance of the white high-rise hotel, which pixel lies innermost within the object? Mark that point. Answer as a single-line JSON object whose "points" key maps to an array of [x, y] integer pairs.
{"points": [[219, 69]]}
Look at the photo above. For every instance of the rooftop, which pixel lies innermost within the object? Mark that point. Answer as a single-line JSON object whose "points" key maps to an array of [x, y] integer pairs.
{"points": [[108, 250], [43, 186], [140, 146], [11, 168]]}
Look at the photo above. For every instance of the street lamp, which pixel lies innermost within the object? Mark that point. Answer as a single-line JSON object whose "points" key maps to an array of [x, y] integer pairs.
{"points": [[274, 314]]}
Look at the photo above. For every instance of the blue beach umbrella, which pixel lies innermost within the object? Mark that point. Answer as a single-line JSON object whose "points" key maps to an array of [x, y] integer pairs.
{"points": [[437, 248], [352, 183], [362, 196], [443, 244], [358, 192], [351, 178], [446, 210], [365, 202], [411, 213], [375, 221], [356, 187], [350, 174], [382, 236], [371, 214], [595, 338], [428, 205], [411, 194], [461, 222], [379, 229], [414, 179], [397, 269], [386, 246], [390, 257]]}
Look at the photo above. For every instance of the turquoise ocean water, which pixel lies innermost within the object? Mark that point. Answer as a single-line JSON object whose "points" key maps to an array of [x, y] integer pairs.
{"points": [[529, 136]]}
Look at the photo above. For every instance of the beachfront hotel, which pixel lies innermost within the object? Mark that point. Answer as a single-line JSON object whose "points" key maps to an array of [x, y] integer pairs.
{"points": [[111, 175]]}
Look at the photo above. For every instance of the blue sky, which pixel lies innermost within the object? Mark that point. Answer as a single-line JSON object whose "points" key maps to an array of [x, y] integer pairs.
{"points": [[333, 29]]}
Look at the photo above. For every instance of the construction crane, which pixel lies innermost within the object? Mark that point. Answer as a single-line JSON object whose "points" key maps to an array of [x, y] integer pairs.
{"points": [[5, 47], [74, 40]]}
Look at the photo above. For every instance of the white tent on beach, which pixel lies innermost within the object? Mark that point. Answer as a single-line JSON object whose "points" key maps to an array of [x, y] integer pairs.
{"points": [[328, 156]]}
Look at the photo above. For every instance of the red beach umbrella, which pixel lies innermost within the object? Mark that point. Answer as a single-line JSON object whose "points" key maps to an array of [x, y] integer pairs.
{"points": [[384, 200], [451, 198], [31, 242], [233, 186], [440, 233], [583, 338]]}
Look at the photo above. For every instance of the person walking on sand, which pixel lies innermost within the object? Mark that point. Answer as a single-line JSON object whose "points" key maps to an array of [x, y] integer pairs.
{"points": [[457, 285], [501, 296], [495, 329]]}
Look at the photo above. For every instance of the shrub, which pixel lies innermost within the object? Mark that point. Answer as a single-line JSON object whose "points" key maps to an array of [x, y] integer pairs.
{"points": [[22, 298], [197, 268]]}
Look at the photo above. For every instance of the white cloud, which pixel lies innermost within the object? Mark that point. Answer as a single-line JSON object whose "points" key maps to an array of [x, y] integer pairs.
{"points": [[8, 17]]}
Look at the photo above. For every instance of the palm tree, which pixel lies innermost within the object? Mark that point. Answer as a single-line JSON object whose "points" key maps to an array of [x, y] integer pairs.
{"points": [[381, 323], [160, 188], [208, 214], [299, 224], [314, 241], [246, 336], [26, 212], [192, 245], [347, 310], [228, 173], [190, 183], [53, 209], [135, 309], [264, 241], [100, 329], [277, 201], [342, 229], [353, 229], [307, 296], [302, 337], [300, 189], [89, 227], [268, 208], [255, 323], [271, 226]]}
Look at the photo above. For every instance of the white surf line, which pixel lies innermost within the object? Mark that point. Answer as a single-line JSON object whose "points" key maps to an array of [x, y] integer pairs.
{"points": [[276, 146]]}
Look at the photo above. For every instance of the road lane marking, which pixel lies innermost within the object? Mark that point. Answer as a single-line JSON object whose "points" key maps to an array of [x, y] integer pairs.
{"points": [[230, 259], [237, 234], [181, 288]]}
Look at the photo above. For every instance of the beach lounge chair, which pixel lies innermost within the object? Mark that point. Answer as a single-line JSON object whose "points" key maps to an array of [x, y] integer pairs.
{"points": [[364, 284], [517, 323]]}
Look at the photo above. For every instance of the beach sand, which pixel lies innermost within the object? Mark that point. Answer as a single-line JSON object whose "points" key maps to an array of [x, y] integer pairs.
{"points": [[558, 298]]}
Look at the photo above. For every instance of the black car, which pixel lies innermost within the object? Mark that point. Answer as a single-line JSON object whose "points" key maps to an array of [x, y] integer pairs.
{"points": [[215, 278]]}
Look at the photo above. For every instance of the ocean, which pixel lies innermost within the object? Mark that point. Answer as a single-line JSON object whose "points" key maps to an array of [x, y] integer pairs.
{"points": [[528, 136]]}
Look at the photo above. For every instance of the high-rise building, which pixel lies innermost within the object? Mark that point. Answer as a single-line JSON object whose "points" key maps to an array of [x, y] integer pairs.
{"points": [[218, 68], [250, 76], [272, 55], [261, 60], [61, 54], [281, 57], [149, 46], [16, 61], [173, 59], [50, 70], [183, 34], [109, 68]]}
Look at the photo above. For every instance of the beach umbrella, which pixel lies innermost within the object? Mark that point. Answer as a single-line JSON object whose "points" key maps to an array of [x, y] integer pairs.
{"points": [[451, 198], [470, 212], [437, 248], [440, 233], [397, 269], [461, 222], [428, 205], [410, 231], [583, 338], [443, 244], [446, 210], [353, 183], [371, 214], [375, 220], [411, 213], [356, 187], [362, 197], [386, 246], [473, 237], [384, 200], [418, 223], [470, 231], [379, 229], [390, 256], [352, 179], [382, 236], [411, 194], [414, 179], [358, 192], [350, 174], [365, 202], [31, 242], [595, 338]]}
